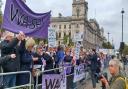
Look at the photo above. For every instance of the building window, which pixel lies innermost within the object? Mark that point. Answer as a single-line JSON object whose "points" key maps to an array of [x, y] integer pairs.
{"points": [[59, 34], [64, 34], [69, 26], [78, 12], [69, 34], [54, 26], [59, 42], [64, 26], [77, 26], [59, 26]]}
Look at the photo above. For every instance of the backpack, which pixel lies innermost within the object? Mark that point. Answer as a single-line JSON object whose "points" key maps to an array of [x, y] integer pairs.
{"points": [[124, 79]]}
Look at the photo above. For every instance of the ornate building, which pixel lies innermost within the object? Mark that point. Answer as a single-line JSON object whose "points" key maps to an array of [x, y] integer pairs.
{"points": [[78, 23]]}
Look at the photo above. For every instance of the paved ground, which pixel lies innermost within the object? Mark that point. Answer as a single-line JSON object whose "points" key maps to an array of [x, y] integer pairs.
{"points": [[88, 84]]}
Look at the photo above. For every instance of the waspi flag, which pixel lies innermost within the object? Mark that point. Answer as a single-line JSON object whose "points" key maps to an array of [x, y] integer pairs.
{"points": [[18, 17]]}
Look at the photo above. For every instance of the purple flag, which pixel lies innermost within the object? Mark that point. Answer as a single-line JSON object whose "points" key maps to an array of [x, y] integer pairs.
{"points": [[18, 17]]}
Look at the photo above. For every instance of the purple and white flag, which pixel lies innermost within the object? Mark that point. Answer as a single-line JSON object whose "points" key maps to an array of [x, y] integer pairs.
{"points": [[18, 17]]}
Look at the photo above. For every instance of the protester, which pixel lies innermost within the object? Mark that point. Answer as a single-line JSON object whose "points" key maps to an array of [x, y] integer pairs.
{"points": [[10, 45], [59, 57], [26, 61], [68, 63], [4, 59], [49, 62], [93, 67], [115, 82], [38, 65]]}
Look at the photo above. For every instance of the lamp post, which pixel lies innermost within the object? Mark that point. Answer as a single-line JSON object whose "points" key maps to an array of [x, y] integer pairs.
{"points": [[122, 12], [122, 43], [108, 37]]}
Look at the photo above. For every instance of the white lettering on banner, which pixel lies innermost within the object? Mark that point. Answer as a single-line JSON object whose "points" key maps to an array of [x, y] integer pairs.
{"points": [[78, 37], [79, 73], [77, 50], [51, 38], [54, 81]]}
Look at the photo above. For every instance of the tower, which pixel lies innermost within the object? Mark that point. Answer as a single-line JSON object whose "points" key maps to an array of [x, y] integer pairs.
{"points": [[79, 9], [79, 17]]}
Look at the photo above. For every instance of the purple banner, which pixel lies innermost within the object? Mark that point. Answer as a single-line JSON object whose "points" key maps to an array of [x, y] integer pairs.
{"points": [[68, 68], [54, 81], [79, 72], [18, 17]]}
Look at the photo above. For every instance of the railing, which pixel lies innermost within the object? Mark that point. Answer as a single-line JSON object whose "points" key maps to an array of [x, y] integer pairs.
{"points": [[37, 85], [15, 73], [61, 68]]}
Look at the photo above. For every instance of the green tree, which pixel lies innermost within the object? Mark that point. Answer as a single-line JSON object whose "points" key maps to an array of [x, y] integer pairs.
{"points": [[125, 50], [107, 45], [65, 40], [71, 43]]}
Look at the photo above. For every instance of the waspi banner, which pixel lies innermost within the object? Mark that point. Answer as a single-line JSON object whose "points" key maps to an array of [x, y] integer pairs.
{"points": [[18, 17], [54, 81], [79, 73]]}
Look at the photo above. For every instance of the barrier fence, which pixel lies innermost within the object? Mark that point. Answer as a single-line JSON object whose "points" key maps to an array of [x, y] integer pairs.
{"points": [[54, 78], [2, 75]]}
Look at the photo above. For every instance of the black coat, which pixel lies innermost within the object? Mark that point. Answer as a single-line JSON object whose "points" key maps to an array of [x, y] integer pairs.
{"points": [[94, 62], [49, 62], [26, 65], [8, 48], [3, 60], [68, 58], [39, 61]]}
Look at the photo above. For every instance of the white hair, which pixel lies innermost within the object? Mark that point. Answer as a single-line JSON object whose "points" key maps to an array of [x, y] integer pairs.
{"points": [[116, 62]]}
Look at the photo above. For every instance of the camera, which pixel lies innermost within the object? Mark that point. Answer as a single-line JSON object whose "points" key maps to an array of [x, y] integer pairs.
{"points": [[100, 75]]}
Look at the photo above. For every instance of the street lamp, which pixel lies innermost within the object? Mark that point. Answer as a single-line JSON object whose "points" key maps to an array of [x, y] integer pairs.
{"points": [[108, 36], [122, 43], [122, 12]]}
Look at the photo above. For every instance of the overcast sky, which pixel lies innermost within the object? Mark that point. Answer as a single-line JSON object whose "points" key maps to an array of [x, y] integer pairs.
{"points": [[106, 12]]}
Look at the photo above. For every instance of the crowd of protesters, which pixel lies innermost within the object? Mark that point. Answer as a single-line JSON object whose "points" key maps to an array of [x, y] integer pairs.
{"points": [[21, 53]]}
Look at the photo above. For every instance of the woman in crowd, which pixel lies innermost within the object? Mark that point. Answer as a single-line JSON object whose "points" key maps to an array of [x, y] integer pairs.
{"points": [[116, 81], [59, 56], [49, 62], [38, 65], [27, 60]]}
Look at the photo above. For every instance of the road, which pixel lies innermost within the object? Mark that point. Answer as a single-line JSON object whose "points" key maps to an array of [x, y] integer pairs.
{"points": [[88, 83]]}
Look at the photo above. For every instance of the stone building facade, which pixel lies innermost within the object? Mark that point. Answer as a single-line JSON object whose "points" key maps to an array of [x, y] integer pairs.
{"points": [[78, 23]]}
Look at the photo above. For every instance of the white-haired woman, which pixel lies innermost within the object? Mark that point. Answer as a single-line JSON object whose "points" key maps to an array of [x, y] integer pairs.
{"points": [[26, 61], [116, 70]]}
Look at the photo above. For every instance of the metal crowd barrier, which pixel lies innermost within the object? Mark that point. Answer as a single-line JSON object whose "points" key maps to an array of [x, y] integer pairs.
{"points": [[19, 72], [60, 68], [30, 84]]}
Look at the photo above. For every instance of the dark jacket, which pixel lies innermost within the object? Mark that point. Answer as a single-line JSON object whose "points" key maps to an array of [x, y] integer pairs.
{"points": [[94, 62], [3, 60], [68, 58], [26, 61], [39, 61], [49, 62], [26, 65], [8, 48]]}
